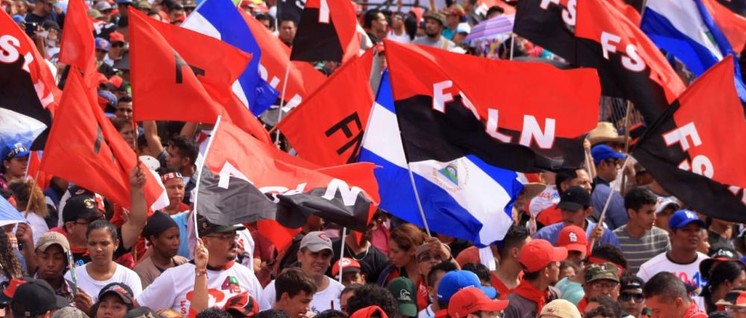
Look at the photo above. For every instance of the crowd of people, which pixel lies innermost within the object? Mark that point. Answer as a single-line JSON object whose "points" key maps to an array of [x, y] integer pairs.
{"points": [[601, 241]]}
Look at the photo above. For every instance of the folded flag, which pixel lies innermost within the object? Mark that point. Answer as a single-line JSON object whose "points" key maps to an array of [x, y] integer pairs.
{"points": [[327, 128], [244, 180], [221, 19], [445, 112], [28, 91], [694, 149], [686, 30], [463, 198]]}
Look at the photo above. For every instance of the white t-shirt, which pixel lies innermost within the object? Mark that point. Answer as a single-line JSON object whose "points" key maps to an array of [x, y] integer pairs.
{"points": [[322, 299], [404, 38], [173, 289], [38, 225], [688, 273], [92, 287]]}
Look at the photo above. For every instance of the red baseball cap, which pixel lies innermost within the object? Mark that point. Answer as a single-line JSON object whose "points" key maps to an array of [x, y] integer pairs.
{"points": [[573, 238], [242, 304], [368, 312], [116, 37], [538, 254], [347, 264], [470, 300]]}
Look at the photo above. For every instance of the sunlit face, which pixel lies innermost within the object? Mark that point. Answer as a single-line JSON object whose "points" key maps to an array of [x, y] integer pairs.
{"points": [[398, 256], [296, 306], [52, 262], [111, 306], [315, 263], [101, 246]]}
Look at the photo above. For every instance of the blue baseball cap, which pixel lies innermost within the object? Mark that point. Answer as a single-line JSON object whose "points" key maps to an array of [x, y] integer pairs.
{"points": [[682, 218], [454, 281], [102, 44], [604, 152], [17, 150], [19, 18]]}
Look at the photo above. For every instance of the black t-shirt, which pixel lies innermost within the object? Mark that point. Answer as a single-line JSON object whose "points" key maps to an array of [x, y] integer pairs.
{"points": [[372, 261]]}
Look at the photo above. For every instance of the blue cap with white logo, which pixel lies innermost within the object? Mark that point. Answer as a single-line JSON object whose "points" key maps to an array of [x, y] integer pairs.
{"points": [[682, 218]]}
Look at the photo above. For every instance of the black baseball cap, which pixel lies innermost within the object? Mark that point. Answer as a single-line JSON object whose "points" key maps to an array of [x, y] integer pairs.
{"points": [[574, 199], [34, 298], [205, 227], [81, 207], [120, 290]]}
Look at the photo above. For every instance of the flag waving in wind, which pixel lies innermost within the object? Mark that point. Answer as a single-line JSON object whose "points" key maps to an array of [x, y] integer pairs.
{"points": [[445, 112], [465, 198], [695, 149], [221, 19], [78, 46], [326, 32]]}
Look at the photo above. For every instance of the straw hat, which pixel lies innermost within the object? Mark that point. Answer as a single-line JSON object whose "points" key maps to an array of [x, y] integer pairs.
{"points": [[604, 132]]}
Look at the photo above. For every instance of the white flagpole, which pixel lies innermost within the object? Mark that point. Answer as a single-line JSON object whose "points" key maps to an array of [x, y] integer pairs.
{"points": [[282, 100], [608, 200], [342, 253], [417, 198], [199, 175]]}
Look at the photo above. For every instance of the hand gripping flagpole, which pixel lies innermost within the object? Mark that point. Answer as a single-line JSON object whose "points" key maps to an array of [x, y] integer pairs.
{"points": [[602, 218], [199, 174]]}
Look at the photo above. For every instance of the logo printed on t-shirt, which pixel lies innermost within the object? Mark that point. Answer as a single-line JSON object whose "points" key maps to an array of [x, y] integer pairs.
{"points": [[231, 283]]}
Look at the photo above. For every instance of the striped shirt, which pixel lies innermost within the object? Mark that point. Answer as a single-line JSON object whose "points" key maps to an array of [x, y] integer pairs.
{"points": [[639, 250]]}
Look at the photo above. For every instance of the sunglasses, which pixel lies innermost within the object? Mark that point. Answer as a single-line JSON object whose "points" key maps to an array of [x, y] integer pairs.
{"points": [[117, 44], [638, 297]]}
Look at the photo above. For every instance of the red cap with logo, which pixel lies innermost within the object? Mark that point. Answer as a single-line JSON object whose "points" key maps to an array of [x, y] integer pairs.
{"points": [[470, 300], [347, 264], [573, 238], [538, 254]]}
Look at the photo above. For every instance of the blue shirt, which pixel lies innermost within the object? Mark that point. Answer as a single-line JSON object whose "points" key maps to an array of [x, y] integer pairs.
{"points": [[551, 233], [616, 214], [181, 220]]}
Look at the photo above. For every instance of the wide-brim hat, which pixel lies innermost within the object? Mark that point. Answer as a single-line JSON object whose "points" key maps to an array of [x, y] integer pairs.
{"points": [[604, 132]]}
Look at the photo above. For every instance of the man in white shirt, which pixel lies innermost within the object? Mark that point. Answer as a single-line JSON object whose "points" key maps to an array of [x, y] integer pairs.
{"points": [[683, 259], [225, 278], [314, 255]]}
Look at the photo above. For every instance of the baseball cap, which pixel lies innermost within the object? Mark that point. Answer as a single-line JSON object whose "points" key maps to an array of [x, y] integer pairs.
{"points": [[454, 281], [733, 298], [80, 207], [574, 199], [437, 16], [538, 254], [347, 264], [19, 18], [369, 312], [69, 312], [607, 271], [102, 6], [573, 238], [35, 298], [560, 308], [206, 227], [141, 312], [470, 300], [631, 282], [17, 150], [316, 241], [102, 44], [682, 218], [51, 238], [120, 290], [722, 254], [143, 5], [603, 152], [6, 296], [116, 37], [667, 202], [242, 304], [403, 290]]}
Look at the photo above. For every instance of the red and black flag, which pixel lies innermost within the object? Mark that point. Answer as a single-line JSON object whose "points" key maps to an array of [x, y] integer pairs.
{"points": [[244, 180], [326, 32], [28, 92], [175, 78], [504, 116], [549, 24], [86, 149], [695, 149], [327, 128]]}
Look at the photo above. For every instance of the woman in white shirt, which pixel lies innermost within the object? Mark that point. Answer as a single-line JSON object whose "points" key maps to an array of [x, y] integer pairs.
{"points": [[102, 241]]}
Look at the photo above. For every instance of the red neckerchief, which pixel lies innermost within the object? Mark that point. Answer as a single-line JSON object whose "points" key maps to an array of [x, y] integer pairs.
{"points": [[528, 291], [694, 312], [582, 304]]}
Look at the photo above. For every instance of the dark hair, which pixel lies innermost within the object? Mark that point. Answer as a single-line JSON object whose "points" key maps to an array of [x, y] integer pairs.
{"points": [[407, 236], [720, 273], [602, 311], [515, 237], [102, 224], [120, 123], [350, 288], [637, 197], [444, 266], [369, 17], [272, 313], [331, 313], [612, 306], [266, 17], [186, 148], [213, 313], [610, 253], [666, 286], [293, 281], [494, 9], [279, 24], [125, 98], [563, 174], [9, 264], [478, 268], [370, 295], [566, 264], [532, 275]]}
